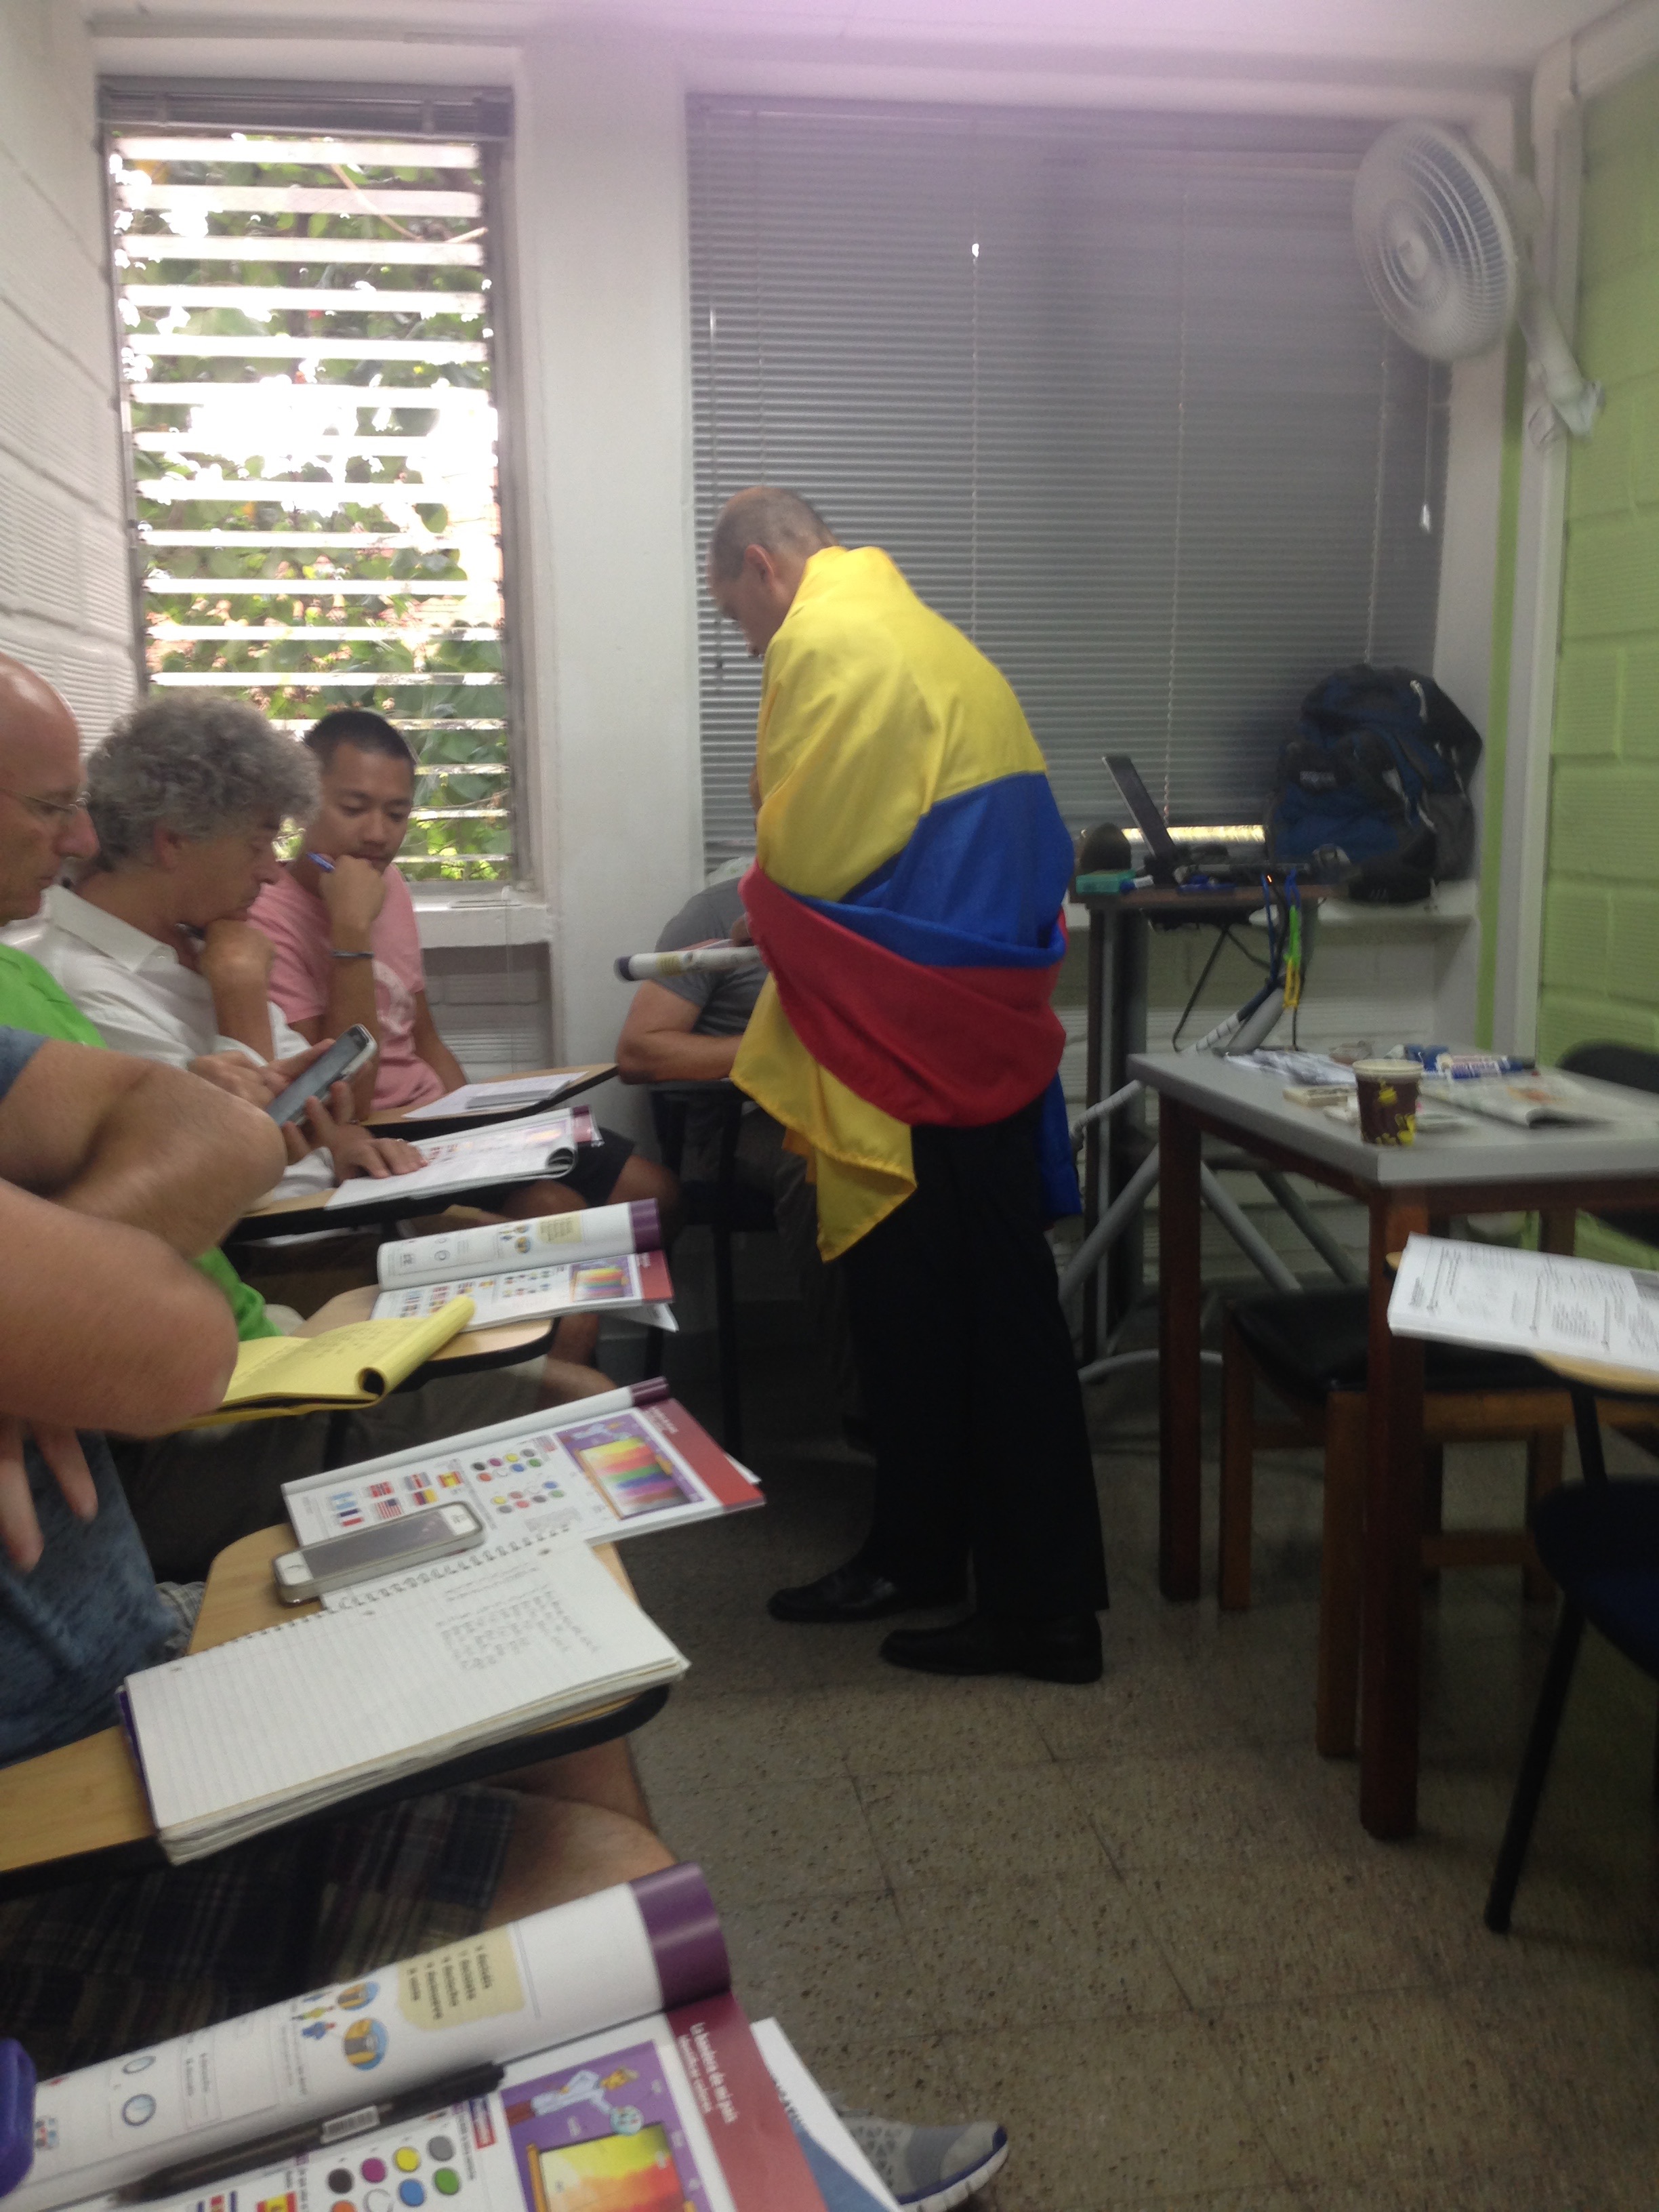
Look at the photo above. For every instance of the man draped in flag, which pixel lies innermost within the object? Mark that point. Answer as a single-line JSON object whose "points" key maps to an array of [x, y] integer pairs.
{"points": [[909, 874]]}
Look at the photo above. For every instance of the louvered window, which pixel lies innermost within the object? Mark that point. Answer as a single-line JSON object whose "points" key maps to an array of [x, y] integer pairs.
{"points": [[308, 319], [1110, 390]]}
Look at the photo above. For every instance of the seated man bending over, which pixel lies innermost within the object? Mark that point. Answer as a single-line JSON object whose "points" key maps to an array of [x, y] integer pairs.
{"points": [[687, 1029], [348, 949], [112, 1175], [193, 1493]]}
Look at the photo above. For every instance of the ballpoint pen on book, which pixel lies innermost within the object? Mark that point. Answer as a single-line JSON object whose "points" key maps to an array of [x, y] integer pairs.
{"points": [[311, 2134]]}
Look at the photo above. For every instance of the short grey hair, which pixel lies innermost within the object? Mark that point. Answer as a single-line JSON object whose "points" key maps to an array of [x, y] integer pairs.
{"points": [[198, 767], [765, 514]]}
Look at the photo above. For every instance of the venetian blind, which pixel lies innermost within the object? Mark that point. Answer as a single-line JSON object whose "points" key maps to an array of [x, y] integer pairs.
{"points": [[307, 322], [1110, 389]]}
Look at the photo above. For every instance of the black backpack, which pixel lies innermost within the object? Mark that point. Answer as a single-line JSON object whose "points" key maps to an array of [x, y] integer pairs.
{"points": [[1378, 773]]}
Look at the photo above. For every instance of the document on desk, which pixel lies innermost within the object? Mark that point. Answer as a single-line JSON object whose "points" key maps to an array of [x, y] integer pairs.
{"points": [[1532, 1301], [518, 1151], [512, 1097], [469, 1652], [604, 1259]]}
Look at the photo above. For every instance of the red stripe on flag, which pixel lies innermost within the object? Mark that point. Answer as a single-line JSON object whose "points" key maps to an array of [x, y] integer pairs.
{"points": [[957, 1047]]}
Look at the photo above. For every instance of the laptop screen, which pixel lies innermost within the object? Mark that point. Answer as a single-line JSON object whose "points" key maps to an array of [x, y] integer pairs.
{"points": [[1139, 800]]}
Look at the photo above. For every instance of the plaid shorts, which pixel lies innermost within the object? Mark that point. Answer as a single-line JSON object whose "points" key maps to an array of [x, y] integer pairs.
{"points": [[104, 1967]]}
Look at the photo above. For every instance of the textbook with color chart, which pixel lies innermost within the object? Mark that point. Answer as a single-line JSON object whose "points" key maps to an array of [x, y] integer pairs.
{"points": [[471, 1650], [605, 1259], [632, 2082], [512, 1151], [335, 1372], [622, 1464]]}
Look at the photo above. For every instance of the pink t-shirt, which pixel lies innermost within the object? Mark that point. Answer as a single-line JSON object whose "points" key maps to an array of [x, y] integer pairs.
{"points": [[297, 922]]}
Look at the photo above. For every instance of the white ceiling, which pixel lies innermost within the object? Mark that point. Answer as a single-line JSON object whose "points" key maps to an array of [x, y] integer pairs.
{"points": [[1481, 34]]}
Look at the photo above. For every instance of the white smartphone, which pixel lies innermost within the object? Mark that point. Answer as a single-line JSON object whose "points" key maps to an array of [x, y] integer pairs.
{"points": [[408, 1542]]}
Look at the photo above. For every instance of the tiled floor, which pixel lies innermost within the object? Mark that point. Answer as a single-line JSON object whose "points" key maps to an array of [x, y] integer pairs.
{"points": [[1139, 1923]]}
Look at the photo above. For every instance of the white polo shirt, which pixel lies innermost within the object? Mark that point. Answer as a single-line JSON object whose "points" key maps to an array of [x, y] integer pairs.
{"points": [[141, 998]]}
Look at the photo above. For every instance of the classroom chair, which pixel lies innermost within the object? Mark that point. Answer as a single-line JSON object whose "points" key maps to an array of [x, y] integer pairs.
{"points": [[1310, 1348], [1600, 1539], [723, 1206]]}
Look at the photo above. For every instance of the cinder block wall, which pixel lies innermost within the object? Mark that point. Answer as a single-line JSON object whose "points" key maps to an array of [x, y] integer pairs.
{"points": [[64, 607], [1600, 978]]}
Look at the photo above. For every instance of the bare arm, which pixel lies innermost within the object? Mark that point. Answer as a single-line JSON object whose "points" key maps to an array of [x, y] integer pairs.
{"points": [[102, 1326], [352, 895], [433, 1049], [657, 1044], [235, 963], [151, 1147]]}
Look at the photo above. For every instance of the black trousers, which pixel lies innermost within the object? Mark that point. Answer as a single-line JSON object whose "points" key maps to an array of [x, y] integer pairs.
{"points": [[971, 1389]]}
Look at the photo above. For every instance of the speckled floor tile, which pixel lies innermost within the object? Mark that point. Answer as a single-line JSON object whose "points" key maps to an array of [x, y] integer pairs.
{"points": [[828, 1966], [1119, 2112], [758, 1845], [1194, 1806], [926, 1723], [973, 1825], [1027, 1954], [1409, 2085]]}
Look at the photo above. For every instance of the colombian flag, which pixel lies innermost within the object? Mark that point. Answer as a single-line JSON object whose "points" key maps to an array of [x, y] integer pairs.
{"points": [[909, 876]]}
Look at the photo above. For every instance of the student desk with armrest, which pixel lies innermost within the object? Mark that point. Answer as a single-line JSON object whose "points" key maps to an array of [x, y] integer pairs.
{"points": [[575, 1080], [79, 1814]]}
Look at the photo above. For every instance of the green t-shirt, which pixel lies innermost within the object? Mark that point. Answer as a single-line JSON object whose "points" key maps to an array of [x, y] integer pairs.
{"points": [[32, 1000]]}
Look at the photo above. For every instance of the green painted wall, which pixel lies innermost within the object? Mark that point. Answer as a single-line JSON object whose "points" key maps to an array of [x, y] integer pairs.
{"points": [[1601, 965]]}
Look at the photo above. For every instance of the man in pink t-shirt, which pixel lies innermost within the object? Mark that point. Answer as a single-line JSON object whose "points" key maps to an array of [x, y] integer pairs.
{"points": [[348, 948]]}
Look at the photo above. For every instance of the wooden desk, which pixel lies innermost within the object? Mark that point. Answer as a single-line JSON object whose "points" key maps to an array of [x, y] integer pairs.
{"points": [[79, 1813], [1120, 925], [1485, 1167], [588, 1076]]}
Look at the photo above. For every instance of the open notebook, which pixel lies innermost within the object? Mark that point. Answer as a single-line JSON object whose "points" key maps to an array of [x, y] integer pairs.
{"points": [[514, 1095], [605, 1259], [632, 2083], [343, 1368], [510, 1151], [466, 1652], [622, 1464]]}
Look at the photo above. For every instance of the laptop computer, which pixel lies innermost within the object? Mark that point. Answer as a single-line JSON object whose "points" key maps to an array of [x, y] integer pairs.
{"points": [[1164, 853]]}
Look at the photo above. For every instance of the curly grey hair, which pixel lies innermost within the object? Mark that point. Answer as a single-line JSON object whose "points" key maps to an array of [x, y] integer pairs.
{"points": [[198, 767]]}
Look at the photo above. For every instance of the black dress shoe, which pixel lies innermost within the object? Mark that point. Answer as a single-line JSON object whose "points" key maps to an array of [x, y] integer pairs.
{"points": [[1064, 1649], [854, 1592]]}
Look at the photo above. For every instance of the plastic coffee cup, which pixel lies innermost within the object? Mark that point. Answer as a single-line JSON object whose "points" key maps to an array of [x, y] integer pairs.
{"points": [[1388, 1100]]}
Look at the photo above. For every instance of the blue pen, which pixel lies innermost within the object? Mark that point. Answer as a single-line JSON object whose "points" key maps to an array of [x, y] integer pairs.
{"points": [[317, 861]]}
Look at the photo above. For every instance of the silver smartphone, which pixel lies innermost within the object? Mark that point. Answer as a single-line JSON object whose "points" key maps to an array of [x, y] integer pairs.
{"points": [[338, 1064], [408, 1542]]}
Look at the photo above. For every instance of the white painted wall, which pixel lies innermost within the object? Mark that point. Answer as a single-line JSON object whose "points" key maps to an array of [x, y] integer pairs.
{"points": [[63, 595], [598, 352]]}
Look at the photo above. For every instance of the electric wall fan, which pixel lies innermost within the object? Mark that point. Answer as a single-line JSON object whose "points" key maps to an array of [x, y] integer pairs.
{"points": [[1443, 241]]}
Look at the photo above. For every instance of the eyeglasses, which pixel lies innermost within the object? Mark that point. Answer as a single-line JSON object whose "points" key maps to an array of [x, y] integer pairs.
{"points": [[53, 812]]}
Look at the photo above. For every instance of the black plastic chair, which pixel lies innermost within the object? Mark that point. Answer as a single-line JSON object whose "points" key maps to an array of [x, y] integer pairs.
{"points": [[1600, 1539], [723, 1206]]}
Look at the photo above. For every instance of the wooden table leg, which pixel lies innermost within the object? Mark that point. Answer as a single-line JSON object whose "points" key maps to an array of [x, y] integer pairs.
{"points": [[1180, 1431], [1393, 1629]]}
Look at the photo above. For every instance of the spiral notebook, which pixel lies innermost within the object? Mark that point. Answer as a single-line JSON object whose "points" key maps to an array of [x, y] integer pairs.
{"points": [[469, 1652]]}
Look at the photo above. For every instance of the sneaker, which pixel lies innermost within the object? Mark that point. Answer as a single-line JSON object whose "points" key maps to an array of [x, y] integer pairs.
{"points": [[929, 2169]]}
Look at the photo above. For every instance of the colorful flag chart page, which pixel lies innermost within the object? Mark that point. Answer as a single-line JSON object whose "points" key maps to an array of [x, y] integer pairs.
{"points": [[528, 1293], [601, 1477], [612, 2128]]}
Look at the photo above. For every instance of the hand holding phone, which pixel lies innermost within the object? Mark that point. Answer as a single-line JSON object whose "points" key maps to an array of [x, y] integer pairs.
{"points": [[337, 1065]]}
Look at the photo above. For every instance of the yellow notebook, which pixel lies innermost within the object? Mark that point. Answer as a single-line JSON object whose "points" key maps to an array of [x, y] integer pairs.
{"points": [[357, 1365]]}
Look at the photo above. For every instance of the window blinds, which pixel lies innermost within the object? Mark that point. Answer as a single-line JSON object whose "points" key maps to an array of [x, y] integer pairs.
{"points": [[1109, 388], [307, 321]]}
